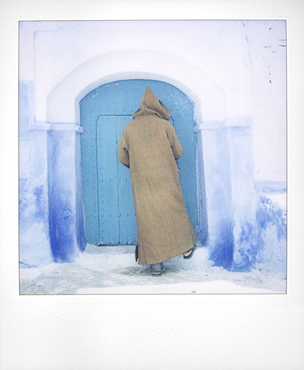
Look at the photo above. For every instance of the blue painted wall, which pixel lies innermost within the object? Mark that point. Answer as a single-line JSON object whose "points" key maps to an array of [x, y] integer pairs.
{"points": [[246, 226], [33, 190], [218, 185], [50, 198], [62, 215], [272, 232], [236, 237], [243, 195]]}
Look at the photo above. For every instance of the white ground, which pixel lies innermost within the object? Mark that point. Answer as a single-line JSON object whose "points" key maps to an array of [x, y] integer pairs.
{"points": [[113, 270]]}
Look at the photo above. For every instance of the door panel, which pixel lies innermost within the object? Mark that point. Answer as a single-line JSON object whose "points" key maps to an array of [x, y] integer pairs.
{"points": [[107, 191], [127, 215], [89, 177], [117, 224], [107, 184]]}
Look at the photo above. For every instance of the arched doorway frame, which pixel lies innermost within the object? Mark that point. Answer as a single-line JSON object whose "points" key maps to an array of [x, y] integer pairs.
{"points": [[63, 112], [63, 100], [113, 104]]}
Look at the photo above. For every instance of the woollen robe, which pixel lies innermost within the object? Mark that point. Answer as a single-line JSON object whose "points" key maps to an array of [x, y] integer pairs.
{"points": [[149, 147]]}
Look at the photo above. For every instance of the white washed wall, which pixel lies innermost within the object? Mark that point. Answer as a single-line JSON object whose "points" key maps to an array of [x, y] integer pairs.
{"points": [[241, 57], [234, 71]]}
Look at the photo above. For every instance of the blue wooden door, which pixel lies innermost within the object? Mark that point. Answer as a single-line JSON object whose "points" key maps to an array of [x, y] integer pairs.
{"points": [[107, 191]]}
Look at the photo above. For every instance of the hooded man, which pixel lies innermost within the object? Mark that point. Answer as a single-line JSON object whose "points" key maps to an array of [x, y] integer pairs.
{"points": [[149, 147]]}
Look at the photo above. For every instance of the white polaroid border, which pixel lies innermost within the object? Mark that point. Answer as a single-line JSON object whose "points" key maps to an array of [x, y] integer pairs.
{"points": [[141, 331]]}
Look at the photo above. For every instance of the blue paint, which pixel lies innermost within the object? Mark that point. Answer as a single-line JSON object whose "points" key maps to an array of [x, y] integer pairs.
{"points": [[234, 243], [126, 211], [220, 240], [243, 197], [108, 202], [80, 236], [34, 241], [272, 236], [23, 198], [27, 266], [51, 219], [25, 102], [271, 187], [40, 201], [61, 222], [28, 212], [247, 248], [89, 172], [62, 197], [268, 214], [222, 248], [32, 201]]}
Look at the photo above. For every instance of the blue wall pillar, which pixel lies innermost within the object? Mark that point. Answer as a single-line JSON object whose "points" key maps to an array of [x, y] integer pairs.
{"points": [[243, 194], [218, 192], [230, 193], [64, 186]]}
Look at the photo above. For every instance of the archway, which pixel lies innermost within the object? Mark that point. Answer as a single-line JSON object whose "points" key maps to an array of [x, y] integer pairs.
{"points": [[63, 116]]}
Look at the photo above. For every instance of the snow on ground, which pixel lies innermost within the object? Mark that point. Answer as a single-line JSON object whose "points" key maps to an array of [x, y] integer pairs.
{"points": [[113, 270]]}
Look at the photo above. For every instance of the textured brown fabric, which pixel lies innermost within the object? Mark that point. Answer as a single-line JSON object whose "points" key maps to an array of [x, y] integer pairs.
{"points": [[149, 147]]}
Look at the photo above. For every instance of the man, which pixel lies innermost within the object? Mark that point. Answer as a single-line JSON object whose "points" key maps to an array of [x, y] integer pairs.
{"points": [[149, 147]]}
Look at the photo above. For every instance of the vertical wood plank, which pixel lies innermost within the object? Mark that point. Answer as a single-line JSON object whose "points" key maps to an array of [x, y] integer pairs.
{"points": [[107, 180], [127, 217], [89, 174]]}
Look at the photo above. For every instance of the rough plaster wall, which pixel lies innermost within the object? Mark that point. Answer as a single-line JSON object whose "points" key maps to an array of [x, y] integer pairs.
{"points": [[247, 59], [272, 238], [241, 56], [33, 195], [216, 47], [267, 52]]}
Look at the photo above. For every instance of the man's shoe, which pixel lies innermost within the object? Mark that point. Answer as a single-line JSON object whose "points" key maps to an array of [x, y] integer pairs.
{"points": [[156, 269], [191, 254]]}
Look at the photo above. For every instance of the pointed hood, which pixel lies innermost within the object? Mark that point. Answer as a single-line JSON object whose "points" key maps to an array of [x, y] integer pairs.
{"points": [[150, 105]]}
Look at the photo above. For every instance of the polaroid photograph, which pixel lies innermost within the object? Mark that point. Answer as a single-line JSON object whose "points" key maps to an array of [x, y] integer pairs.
{"points": [[151, 179], [152, 157]]}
